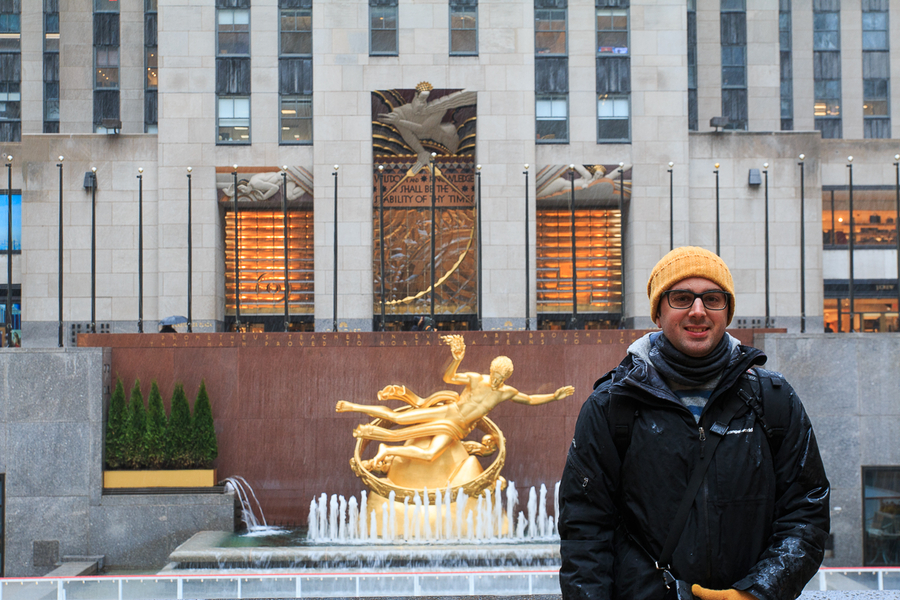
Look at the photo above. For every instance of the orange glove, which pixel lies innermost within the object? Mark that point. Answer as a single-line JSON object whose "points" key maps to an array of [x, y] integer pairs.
{"points": [[705, 594]]}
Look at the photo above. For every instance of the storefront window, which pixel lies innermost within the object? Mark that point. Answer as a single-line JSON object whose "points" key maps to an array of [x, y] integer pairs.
{"points": [[874, 315], [874, 216], [881, 516]]}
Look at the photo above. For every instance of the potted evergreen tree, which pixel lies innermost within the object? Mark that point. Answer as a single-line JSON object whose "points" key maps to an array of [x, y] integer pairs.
{"points": [[116, 424]]}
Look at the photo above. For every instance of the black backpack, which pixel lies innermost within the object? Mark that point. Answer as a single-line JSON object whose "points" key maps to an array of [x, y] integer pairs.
{"points": [[759, 388]]}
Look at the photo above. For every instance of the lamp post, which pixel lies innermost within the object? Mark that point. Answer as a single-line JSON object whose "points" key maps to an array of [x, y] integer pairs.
{"points": [[381, 238], [766, 184], [671, 209], [59, 165], [237, 255], [335, 286], [527, 262], [480, 248], [9, 250], [433, 230], [802, 245], [285, 228], [190, 322], [574, 323], [897, 223], [717, 209], [93, 249], [850, 198], [140, 178], [622, 239]]}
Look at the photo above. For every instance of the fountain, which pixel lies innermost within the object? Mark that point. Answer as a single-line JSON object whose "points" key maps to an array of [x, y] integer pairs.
{"points": [[430, 503]]}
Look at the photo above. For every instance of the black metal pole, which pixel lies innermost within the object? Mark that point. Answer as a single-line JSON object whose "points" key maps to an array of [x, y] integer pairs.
{"points": [[237, 256], [766, 173], [671, 209], [480, 248], [9, 251], [433, 231], [527, 259], [285, 223], [335, 285], [574, 264], [718, 249], [60, 284], [897, 222], [140, 178], [381, 239], [190, 320], [802, 245], [850, 198], [93, 249], [622, 239]]}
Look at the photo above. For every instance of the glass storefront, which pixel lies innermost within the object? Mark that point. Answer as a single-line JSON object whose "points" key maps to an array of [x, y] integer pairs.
{"points": [[874, 216], [881, 516], [261, 264]]}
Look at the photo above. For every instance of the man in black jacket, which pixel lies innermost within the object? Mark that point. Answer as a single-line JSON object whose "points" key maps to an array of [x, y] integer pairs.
{"points": [[755, 525]]}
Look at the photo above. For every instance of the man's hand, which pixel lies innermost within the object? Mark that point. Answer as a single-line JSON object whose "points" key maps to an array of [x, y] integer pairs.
{"points": [[563, 392], [391, 118], [705, 594], [457, 345]]}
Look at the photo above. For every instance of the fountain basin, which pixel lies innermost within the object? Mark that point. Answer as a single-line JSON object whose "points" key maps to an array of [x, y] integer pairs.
{"points": [[214, 551]]}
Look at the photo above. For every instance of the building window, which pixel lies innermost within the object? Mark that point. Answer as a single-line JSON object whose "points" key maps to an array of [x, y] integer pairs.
{"points": [[550, 32], [51, 66], [16, 223], [881, 508], [613, 72], [234, 120], [383, 30], [151, 67], [233, 32], [612, 31], [612, 117], [874, 216], [106, 59], [296, 119], [10, 73], [296, 32], [551, 73], [463, 29], [693, 114], [295, 75], [785, 42], [733, 29], [106, 5], [552, 118], [827, 67], [876, 69]]}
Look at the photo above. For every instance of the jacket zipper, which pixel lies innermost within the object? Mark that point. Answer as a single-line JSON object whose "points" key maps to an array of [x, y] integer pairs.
{"points": [[702, 440]]}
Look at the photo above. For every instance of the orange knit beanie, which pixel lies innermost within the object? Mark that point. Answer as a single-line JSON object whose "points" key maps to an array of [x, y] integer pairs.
{"points": [[682, 263]]}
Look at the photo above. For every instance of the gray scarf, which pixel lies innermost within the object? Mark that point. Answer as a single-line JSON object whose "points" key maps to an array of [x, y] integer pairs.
{"points": [[690, 371]]}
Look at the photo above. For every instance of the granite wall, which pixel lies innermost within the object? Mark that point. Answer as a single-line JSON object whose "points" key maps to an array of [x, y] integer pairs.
{"points": [[850, 386], [51, 432]]}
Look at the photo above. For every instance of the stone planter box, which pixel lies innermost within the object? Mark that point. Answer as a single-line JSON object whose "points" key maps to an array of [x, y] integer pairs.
{"points": [[173, 478]]}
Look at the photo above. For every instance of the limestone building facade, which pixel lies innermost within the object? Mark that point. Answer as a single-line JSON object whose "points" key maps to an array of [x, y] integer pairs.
{"points": [[598, 98]]}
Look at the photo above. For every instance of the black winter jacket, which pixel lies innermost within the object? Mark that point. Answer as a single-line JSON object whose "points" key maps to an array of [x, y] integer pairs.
{"points": [[759, 523]]}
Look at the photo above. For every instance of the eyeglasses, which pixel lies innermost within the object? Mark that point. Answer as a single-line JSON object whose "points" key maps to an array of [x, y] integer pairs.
{"points": [[684, 299]]}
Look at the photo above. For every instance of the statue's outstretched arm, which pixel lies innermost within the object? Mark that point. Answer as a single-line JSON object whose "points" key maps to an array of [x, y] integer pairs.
{"points": [[536, 399]]}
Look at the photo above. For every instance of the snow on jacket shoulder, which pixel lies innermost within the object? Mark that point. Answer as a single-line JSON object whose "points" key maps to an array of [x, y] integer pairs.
{"points": [[759, 522]]}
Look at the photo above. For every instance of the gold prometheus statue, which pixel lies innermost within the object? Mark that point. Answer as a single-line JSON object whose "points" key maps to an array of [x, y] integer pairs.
{"points": [[427, 451]]}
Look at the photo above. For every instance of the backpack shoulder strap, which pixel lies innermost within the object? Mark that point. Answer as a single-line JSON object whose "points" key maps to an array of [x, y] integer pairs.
{"points": [[620, 417], [762, 391]]}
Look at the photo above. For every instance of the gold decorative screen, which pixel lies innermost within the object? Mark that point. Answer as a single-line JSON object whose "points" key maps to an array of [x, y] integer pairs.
{"points": [[598, 260], [261, 264]]}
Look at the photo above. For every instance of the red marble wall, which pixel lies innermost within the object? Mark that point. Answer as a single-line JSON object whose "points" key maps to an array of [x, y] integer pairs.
{"points": [[273, 396]]}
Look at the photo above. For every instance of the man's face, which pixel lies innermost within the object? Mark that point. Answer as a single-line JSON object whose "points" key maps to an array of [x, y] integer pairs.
{"points": [[497, 379], [695, 330]]}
